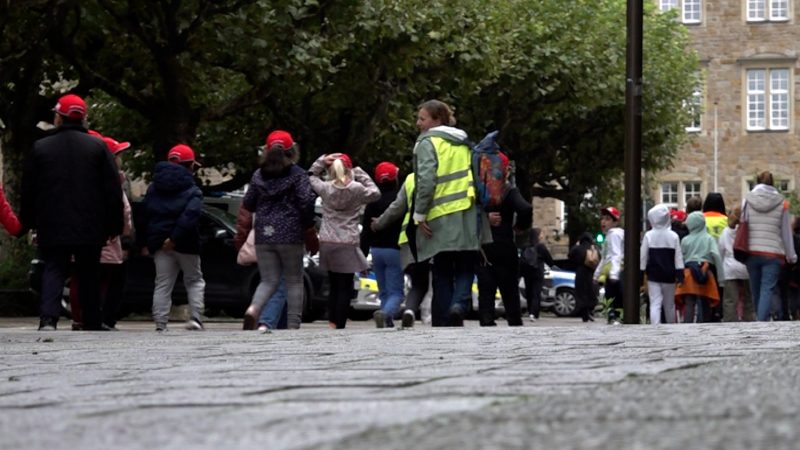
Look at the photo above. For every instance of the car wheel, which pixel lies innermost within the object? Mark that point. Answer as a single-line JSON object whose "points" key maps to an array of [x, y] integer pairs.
{"points": [[564, 302]]}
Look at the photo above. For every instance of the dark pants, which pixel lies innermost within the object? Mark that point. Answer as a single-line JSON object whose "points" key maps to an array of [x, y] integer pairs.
{"points": [[86, 270], [112, 278], [420, 277], [339, 297], [534, 282], [614, 291], [503, 274], [453, 274]]}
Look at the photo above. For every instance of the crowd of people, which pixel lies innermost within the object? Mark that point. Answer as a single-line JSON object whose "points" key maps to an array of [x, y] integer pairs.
{"points": [[430, 227]]}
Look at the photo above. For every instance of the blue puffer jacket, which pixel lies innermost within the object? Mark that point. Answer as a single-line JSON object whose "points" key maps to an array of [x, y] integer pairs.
{"points": [[172, 207]]}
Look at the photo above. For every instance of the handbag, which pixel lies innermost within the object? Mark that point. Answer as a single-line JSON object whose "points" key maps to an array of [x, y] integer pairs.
{"points": [[741, 246], [247, 254]]}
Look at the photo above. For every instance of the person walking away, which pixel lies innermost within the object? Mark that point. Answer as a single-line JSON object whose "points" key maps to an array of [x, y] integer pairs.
{"points": [[716, 222], [343, 195], [609, 271], [678, 223], [534, 257], [661, 260], [282, 201], [172, 208], [383, 244], [500, 267], [736, 299], [448, 224], [585, 257], [72, 197], [794, 276], [418, 272], [702, 261], [770, 241]]}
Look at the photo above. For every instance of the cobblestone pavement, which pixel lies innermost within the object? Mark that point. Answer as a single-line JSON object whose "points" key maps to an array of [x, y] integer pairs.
{"points": [[549, 385]]}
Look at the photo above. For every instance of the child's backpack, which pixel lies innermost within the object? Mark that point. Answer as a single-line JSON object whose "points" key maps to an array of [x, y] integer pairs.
{"points": [[488, 172], [530, 256]]}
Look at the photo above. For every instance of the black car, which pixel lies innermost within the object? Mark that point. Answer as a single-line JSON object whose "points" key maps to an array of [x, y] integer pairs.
{"points": [[229, 286]]}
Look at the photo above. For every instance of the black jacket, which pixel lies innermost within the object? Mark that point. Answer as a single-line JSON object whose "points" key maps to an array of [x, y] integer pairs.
{"points": [[71, 191], [172, 208], [387, 237]]}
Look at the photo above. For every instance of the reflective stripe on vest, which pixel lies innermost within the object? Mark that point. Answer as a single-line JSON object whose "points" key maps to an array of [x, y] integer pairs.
{"points": [[409, 187], [454, 189]]}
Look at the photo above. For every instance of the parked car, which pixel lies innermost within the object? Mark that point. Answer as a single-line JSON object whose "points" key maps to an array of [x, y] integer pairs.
{"points": [[229, 286]]}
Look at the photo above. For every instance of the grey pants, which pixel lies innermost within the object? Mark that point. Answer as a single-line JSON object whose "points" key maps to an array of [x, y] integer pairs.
{"points": [[168, 265], [275, 260]]}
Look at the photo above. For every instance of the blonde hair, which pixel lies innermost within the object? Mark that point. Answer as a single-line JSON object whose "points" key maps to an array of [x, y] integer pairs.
{"points": [[339, 172]]}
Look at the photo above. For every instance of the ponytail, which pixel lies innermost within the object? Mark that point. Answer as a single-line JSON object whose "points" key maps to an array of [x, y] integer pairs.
{"points": [[339, 171]]}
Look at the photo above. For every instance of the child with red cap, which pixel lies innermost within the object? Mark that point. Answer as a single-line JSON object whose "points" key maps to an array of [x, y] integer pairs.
{"points": [[386, 261], [609, 270], [343, 194]]}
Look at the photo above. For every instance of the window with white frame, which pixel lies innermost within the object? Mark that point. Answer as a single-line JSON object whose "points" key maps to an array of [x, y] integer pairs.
{"points": [[695, 108], [691, 189], [666, 5], [767, 10], [768, 99], [669, 193], [691, 11], [781, 185]]}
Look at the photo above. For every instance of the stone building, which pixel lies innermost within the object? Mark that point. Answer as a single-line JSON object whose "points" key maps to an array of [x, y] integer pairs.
{"points": [[746, 105]]}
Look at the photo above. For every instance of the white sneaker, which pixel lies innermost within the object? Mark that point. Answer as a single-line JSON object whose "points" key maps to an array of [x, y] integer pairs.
{"points": [[194, 324], [532, 318]]}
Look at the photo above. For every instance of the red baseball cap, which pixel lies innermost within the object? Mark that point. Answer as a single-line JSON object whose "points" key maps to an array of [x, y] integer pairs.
{"points": [[115, 146], [386, 171], [71, 106], [280, 137], [95, 134], [346, 160], [611, 211], [677, 214], [182, 153]]}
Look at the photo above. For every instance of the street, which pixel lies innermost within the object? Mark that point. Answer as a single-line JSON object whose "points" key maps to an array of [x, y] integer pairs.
{"points": [[553, 384]]}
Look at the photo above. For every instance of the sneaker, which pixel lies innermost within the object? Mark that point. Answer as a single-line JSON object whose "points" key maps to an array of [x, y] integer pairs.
{"points": [[379, 318], [456, 317], [532, 318], [47, 324], [194, 324], [161, 327], [77, 326], [408, 319], [106, 327], [262, 327]]}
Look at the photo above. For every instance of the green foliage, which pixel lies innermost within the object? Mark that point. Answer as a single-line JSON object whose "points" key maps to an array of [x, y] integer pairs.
{"points": [[15, 263]]}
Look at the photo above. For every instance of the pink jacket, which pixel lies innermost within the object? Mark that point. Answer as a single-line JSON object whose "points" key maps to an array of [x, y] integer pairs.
{"points": [[112, 253]]}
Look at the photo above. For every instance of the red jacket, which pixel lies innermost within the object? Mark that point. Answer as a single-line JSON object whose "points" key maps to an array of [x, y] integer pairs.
{"points": [[7, 216]]}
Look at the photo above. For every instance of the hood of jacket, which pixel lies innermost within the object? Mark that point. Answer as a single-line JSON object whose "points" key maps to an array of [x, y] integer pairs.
{"points": [[277, 186], [659, 217], [696, 222], [170, 177], [764, 198], [452, 134]]}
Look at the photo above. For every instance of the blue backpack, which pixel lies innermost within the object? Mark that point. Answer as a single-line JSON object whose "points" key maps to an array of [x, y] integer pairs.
{"points": [[488, 172]]}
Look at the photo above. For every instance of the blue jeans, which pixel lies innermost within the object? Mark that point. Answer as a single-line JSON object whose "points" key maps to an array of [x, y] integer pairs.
{"points": [[389, 274], [764, 272], [274, 313], [453, 274]]}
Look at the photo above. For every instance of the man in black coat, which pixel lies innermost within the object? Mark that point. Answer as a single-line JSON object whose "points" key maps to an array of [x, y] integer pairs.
{"points": [[71, 196]]}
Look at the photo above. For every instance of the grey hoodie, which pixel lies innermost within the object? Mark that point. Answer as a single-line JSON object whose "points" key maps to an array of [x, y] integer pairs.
{"points": [[766, 212]]}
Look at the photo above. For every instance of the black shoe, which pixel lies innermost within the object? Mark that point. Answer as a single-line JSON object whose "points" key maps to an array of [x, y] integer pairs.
{"points": [[408, 318], [456, 317], [47, 324], [380, 319]]}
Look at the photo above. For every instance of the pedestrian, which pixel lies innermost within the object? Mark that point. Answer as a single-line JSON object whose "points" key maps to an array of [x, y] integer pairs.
{"points": [[609, 271], [770, 241], [500, 269], [585, 257], [736, 299], [112, 257], [418, 272], [794, 276], [282, 202], [343, 196], [716, 222], [448, 224], [661, 260], [383, 244], [7, 217], [172, 208], [702, 264], [678, 218], [532, 267], [72, 197], [694, 203]]}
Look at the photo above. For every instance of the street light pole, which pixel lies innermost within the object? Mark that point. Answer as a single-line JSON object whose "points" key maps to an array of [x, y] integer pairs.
{"points": [[716, 148], [633, 160]]}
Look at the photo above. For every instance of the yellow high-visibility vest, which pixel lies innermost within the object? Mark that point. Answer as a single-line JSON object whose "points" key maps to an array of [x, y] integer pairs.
{"points": [[409, 187], [454, 189]]}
